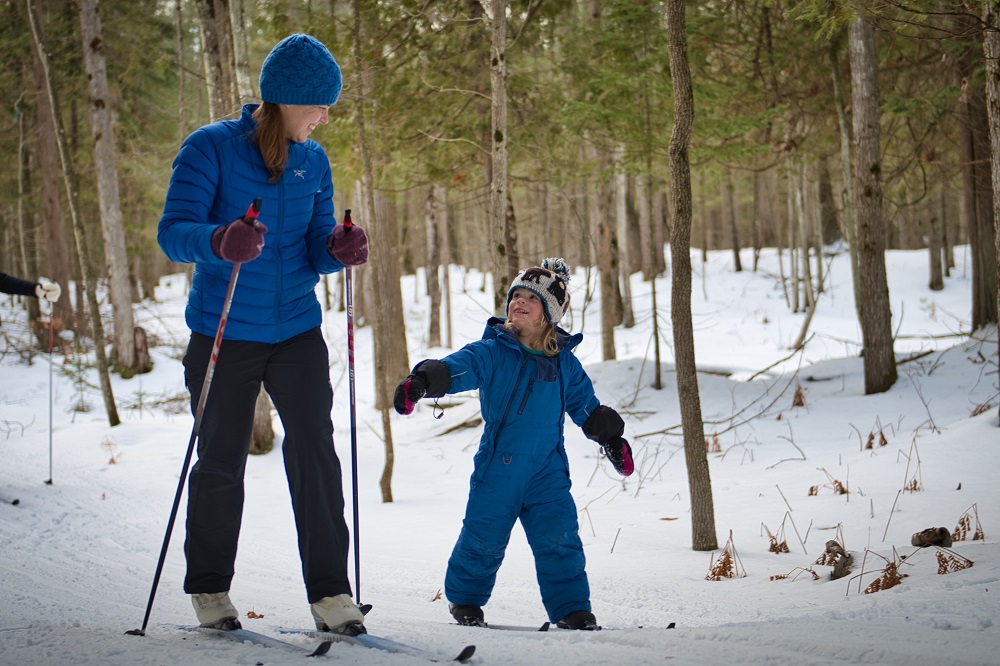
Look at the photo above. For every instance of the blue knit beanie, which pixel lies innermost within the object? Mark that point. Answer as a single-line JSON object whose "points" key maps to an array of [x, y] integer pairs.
{"points": [[300, 70]]}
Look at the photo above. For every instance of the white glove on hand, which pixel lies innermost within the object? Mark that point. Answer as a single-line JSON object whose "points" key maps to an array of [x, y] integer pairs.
{"points": [[48, 290]]}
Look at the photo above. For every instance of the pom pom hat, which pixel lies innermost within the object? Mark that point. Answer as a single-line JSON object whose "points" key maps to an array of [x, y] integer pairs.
{"points": [[549, 282], [300, 70]]}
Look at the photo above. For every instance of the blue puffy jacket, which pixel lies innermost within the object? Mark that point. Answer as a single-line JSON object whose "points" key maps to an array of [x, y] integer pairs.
{"points": [[524, 399], [217, 174]]}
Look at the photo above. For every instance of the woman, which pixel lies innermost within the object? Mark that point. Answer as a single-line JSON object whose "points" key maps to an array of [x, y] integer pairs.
{"points": [[272, 335], [528, 380]]}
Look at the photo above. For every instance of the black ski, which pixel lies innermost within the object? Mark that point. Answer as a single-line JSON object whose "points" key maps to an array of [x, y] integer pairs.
{"points": [[246, 636], [378, 643], [508, 627]]}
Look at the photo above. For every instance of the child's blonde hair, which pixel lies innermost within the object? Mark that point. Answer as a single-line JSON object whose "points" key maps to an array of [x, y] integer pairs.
{"points": [[548, 342]]}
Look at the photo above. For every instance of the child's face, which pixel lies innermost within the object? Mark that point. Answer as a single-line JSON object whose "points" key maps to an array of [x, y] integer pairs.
{"points": [[526, 312]]}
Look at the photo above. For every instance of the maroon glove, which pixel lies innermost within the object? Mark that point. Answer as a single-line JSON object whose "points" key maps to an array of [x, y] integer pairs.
{"points": [[348, 246], [239, 242]]}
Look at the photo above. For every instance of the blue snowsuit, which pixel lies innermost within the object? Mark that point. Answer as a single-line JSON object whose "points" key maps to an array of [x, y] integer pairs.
{"points": [[521, 470]]}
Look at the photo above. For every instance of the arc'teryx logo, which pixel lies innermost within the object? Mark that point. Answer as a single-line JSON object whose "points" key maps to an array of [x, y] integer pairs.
{"points": [[299, 173]]}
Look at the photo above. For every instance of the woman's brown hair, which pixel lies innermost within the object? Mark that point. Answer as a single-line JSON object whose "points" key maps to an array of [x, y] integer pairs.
{"points": [[270, 135]]}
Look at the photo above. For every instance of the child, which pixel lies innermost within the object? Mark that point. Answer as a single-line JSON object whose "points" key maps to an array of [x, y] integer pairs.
{"points": [[528, 379]]}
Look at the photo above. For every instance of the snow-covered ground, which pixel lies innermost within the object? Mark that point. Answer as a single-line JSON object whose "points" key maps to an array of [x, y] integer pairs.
{"points": [[77, 556]]}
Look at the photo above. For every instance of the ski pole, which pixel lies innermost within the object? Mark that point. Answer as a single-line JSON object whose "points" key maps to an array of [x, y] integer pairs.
{"points": [[249, 217], [349, 289], [52, 312]]}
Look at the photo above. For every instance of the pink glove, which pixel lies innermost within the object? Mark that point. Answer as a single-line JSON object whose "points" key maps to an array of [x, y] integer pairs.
{"points": [[239, 242], [348, 246]]}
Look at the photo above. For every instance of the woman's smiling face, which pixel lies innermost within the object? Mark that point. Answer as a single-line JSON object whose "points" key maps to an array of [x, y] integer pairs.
{"points": [[300, 121]]}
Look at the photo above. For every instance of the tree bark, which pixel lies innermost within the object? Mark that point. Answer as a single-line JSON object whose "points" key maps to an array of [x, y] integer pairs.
{"points": [[262, 440], [876, 318], [991, 48], [106, 166], [69, 178], [211, 54], [621, 218], [499, 232], [57, 257], [703, 535], [432, 266], [241, 57], [734, 233], [389, 332], [979, 202]]}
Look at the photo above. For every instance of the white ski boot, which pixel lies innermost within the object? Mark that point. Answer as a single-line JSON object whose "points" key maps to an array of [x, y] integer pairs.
{"points": [[215, 610], [338, 614]]}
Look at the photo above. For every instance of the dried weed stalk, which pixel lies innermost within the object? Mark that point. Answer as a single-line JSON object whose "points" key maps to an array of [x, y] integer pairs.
{"points": [[891, 577], [778, 542], [799, 399], [728, 565], [879, 440], [836, 486], [712, 444], [913, 480], [949, 561], [797, 571], [776, 546], [965, 526]]}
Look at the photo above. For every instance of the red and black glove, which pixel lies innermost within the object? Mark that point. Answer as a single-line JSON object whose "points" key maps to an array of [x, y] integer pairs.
{"points": [[605, 426], [409, 391], [348, 245], [239, 242], [430, 378], [620, 455]]}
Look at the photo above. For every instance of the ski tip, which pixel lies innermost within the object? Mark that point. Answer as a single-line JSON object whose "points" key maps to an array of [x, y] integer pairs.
{"points": [[466, 654], [671, 625], [545, 626], [321, 649], [365, 608]]}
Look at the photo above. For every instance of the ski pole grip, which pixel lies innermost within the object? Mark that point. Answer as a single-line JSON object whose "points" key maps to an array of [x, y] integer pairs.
{"points": [[347, 220], [252, 212]]}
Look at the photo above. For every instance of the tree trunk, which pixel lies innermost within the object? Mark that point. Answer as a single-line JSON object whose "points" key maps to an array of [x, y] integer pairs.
{"points": [[211, 54], [57, 257], [935, 248], [734, 233], [241, 57], [389, 333], [624, 252], [181, 72], [106, 166], [499, 232], [847, 195], [69, 177], [262, 440], [991, 44], [441, 195], [703, 535], [432, 266], [876, 318], [975, 142], [604, 233]]}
